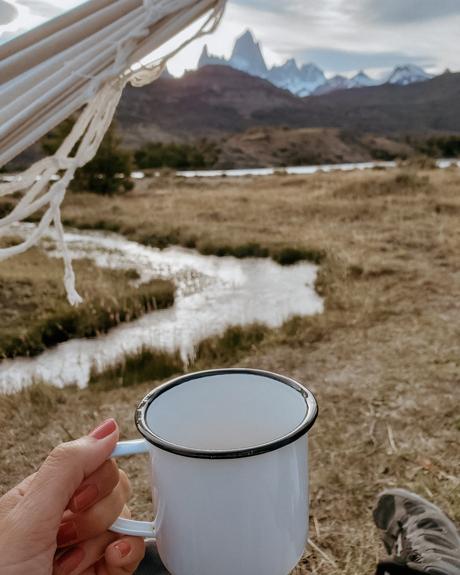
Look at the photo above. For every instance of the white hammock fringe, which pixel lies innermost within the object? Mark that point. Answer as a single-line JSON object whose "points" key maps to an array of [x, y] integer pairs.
{"points": [[102, 96]]}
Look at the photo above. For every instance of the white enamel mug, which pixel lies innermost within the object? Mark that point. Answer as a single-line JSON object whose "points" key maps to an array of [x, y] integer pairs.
{"points": [[229, 472]]}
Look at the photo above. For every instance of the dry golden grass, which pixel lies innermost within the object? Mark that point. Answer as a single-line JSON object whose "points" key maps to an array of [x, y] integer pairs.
{"points": [[35, 312], [383, 359]]}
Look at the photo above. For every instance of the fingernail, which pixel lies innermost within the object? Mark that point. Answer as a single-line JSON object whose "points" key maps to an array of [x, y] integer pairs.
{"points": [[67, 534], [104, 429], [83, 497], [123, 548], [70, 560]]}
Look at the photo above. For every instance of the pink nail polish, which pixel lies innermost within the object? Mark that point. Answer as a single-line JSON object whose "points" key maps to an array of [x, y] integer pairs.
{"points": [[123, 548], [83, 497], [104, 430], [69, 560]]}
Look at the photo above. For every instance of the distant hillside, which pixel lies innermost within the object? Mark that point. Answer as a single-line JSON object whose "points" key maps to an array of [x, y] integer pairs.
{"points": [[217, 100], [433, 105], [212, 101], [254, 123], [263, 146]]}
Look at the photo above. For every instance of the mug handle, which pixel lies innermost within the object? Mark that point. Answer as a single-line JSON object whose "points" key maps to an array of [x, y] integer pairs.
{"points": [[129, 526]]}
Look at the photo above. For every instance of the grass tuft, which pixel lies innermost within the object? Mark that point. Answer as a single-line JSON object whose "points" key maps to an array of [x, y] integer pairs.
{"points": [[229, 347], [41, 316], [143, 365], [150, 365], [289, 256]]}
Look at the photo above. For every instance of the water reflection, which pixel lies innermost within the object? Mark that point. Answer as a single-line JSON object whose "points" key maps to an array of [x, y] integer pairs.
{"points": [[212, 294]]}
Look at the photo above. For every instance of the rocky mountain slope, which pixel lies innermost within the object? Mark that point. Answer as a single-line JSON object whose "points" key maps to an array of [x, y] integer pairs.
{"points": [[251, 122], [218, 100]]}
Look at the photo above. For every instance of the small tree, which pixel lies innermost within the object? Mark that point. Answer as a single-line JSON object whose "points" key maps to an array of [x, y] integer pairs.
{"points": [[107, 173]]}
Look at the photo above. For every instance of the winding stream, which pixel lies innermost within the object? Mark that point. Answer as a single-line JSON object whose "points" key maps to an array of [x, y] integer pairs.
{"points": [[212, 293]]}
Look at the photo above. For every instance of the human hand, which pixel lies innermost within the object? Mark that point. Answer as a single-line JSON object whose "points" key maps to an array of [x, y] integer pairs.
{"points": [[56, 521]]}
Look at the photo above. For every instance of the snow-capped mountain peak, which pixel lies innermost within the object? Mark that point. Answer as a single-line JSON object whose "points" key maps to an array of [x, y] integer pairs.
{"points": [[408, 74], [312, 71], [361, 79], [335, 83], [306, 79], [291, 65], [300, 81]]}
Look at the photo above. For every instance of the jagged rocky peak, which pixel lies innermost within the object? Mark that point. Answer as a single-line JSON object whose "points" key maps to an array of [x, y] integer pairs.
{"points": [[408, 74], [312, 71], [300, 81], [247, 56], [335, 83], [207, 59], [204, 57], [305, 79], [361, 79], [290, 65]]}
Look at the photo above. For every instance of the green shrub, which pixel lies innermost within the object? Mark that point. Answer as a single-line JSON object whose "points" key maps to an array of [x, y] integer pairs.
{"points": [[440, 146]]}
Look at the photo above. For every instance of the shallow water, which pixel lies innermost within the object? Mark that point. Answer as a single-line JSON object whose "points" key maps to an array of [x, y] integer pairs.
{"points": [[212, 293], [303, 170], [291, 170]]}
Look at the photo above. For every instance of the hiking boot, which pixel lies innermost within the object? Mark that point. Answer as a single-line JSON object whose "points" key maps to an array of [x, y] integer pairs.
{"points": [[417, 535]]}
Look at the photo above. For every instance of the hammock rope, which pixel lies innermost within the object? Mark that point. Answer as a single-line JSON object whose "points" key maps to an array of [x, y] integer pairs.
{"points": [[40, 185]]}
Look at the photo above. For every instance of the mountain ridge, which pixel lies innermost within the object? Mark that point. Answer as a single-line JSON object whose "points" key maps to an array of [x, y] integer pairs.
{"points": [[217, 100], [306, 79]]}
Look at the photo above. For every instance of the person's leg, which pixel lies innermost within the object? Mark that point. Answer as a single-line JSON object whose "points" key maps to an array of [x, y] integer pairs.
{"points": [[418, 536], [151, 564]]}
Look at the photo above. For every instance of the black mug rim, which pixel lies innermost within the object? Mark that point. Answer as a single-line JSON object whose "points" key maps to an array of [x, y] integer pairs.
{"points": [[301, 429]]}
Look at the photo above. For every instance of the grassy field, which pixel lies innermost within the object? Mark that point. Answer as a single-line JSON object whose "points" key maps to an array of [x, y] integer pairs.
{"points": [[35, 312], [210, 216], [383, 359]]}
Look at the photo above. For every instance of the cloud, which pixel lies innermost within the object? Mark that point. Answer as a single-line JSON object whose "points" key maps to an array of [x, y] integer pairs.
{"points": [[8, 12], [41, 8], [405, 11], [384, 11], [346, 61], [268, 5]]}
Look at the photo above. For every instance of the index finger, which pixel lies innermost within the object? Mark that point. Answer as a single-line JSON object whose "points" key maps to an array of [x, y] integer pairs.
{"points": [[63, 471], [95, 487]]}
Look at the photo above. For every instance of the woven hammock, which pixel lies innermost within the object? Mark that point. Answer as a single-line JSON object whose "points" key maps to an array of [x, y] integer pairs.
{"points": [[83, 58]]}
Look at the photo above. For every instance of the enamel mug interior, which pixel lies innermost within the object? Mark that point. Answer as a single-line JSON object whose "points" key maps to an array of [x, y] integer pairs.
{"points": [[226, 413]]}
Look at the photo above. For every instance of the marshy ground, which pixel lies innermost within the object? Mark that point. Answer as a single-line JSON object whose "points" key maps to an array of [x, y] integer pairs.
{"points": [[383, 359], [35, 312]]}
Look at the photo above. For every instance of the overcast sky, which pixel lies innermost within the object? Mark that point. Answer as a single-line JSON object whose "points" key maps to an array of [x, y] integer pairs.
{"points": [[341, 36]]}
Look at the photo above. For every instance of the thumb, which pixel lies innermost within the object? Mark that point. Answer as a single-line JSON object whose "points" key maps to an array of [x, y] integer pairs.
{"points": [[62, 472], [123, 557]]}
